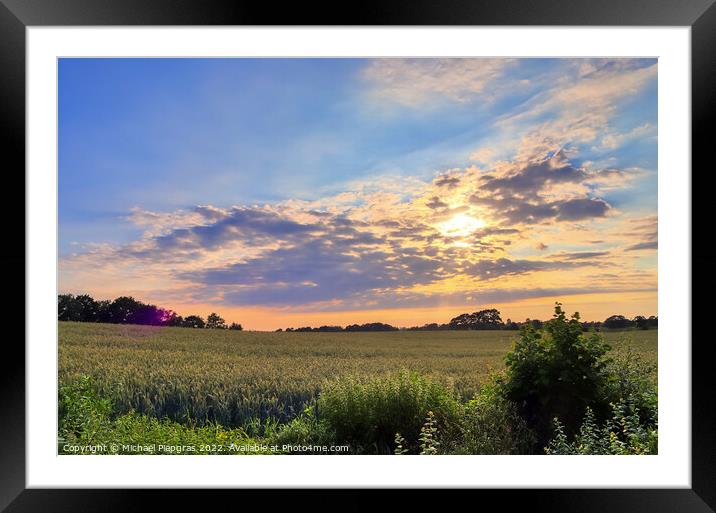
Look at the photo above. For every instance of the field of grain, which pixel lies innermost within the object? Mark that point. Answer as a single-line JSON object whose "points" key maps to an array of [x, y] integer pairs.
{"points": [[232, 377]]}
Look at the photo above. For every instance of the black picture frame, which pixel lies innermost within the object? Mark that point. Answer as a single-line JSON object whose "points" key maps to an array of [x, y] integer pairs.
{"points": [[17, 15]]}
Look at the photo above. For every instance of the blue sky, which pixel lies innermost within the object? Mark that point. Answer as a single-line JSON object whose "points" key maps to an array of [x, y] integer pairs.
{"points": [[144, 143]]}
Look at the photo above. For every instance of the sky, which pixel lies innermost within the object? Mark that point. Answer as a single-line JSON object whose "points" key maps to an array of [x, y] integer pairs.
{"points": [[295, 192]]}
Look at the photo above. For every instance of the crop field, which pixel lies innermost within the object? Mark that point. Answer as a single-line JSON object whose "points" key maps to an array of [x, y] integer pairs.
{"points": [[232, 377]]}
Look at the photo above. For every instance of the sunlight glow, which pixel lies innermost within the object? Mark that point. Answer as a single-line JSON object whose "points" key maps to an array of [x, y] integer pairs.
{"points": [[460, 225]]}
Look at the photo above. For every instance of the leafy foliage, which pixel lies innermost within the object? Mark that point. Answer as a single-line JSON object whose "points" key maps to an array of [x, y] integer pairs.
{"points": [[557, 372]]}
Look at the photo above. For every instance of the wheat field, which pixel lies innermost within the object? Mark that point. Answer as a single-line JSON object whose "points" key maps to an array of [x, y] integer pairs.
{"points": [[231, 377]]}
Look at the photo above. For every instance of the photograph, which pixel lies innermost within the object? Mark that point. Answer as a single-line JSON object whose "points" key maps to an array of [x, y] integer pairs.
{"points": [[357, 256]]}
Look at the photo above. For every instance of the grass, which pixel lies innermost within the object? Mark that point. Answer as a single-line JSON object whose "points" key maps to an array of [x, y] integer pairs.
{"points": [[232, 378]]}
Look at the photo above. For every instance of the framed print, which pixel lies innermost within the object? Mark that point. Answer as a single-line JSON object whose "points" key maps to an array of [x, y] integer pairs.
{"points": [[266, 252]]}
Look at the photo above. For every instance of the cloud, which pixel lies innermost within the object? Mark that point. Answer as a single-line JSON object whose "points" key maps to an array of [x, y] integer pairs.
{"points": [[492, 269], [435, 203], [368, 246], [253, 227], [487, 296], [377, 240], [417, 82], [581, 255], [573, 110], [614, 140], [643, 245], [530, 163], [447, 181], [535, 176], [644, 229], [584, 208], [529, 192]]}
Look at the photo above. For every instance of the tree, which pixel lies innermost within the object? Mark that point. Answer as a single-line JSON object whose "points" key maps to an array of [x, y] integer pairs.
{"points": [[67, 308], [173, 319], [461, 322], [236, 326], [80, 308], [489, 319], [483, 320], [194, 321], [122, 309], [103, 311], [371, 326], [641, 322], [148, 315], [617, 322], [329, 328], [87, 307], [557, 373], [215, 322], [511, 325], [127, 310]]}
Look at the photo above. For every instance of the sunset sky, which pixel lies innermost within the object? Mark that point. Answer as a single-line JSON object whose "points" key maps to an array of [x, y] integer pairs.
{"points": [[295, 192]]}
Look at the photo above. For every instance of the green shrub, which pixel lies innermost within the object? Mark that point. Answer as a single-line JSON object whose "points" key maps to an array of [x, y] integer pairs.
{"points": [[557, 372], [491, 424], [624, 433], [367, 415]]}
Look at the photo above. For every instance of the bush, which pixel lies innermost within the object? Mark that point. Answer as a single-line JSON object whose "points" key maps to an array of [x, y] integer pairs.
{"points": [[368, 415], [624, 433], [491, 424], [557, 372]]}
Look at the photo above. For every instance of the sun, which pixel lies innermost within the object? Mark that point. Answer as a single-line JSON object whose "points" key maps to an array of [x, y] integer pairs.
{"points": [[460, 225]]}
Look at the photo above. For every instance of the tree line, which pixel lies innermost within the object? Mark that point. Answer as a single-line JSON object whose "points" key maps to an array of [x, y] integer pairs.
{"points": [[127, 310], [371, 326], [489, 319]]}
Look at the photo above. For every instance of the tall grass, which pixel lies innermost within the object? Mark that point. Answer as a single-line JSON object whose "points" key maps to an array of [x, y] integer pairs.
{"points": [[367, 415]]}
